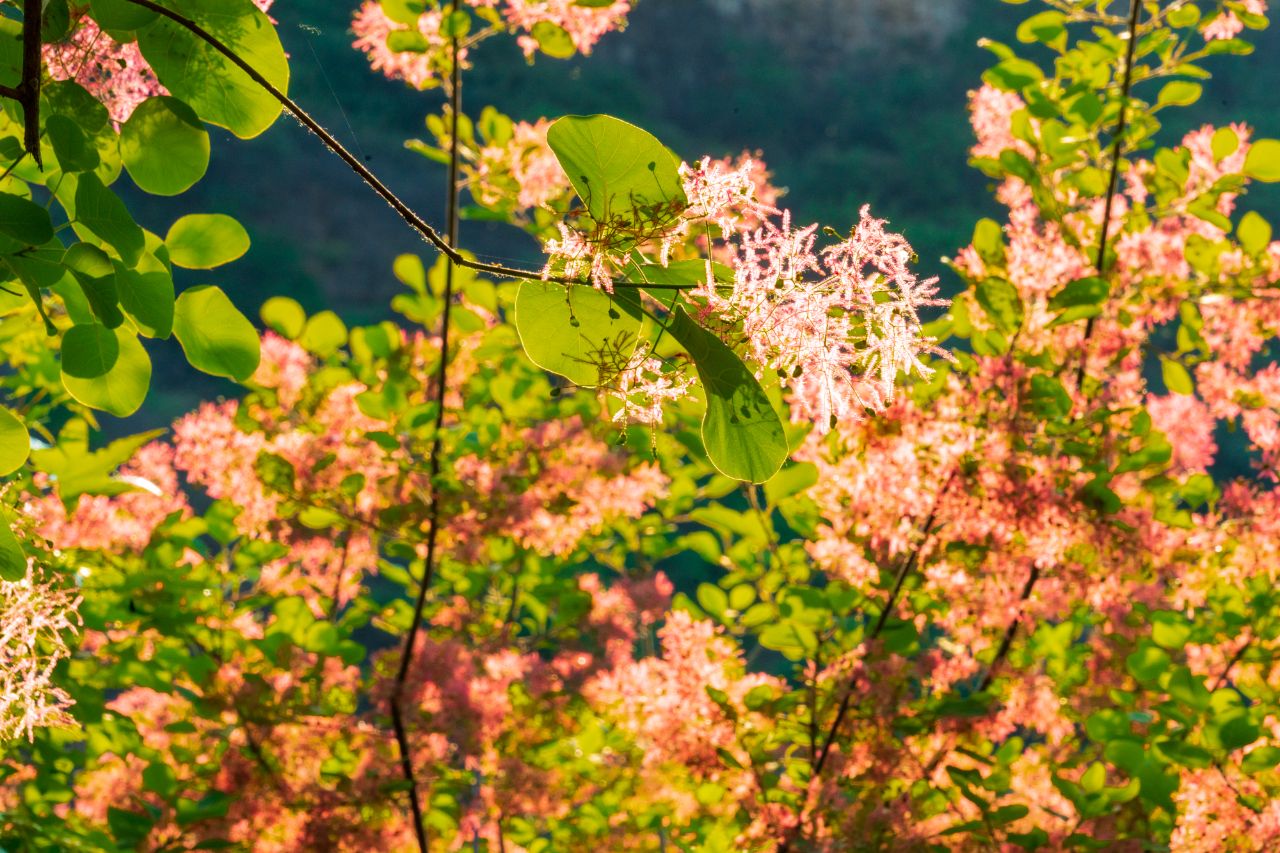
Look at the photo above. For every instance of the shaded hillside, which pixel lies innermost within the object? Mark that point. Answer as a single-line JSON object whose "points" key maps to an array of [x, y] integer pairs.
{"points": [[871, 110]]}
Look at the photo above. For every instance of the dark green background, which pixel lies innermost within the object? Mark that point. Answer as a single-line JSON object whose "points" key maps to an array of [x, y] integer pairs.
{"points": [[839, 125]]}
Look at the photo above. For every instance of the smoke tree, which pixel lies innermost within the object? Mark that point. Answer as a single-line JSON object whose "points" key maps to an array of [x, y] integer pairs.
{"points": [[966, 573]]}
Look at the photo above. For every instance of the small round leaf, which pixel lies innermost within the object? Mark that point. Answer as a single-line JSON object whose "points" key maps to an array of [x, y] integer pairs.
{"points": [[119, 390], [202, 241], [216, 337], [89, 351], [284, 315], [164, 146]]}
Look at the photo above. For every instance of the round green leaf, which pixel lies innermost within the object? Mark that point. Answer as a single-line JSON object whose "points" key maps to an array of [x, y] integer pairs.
{"points": [[120, 389], [1179, 93], [553, 40], [15, 442], [1254, 233], [1262, 163], [618, 170], [284, 315], [147, 297], [202, 241], [73, 149], [69, 99], [1002, 303], [24, 220], [1147, 663], [1176, 377], [742, 432], [323, 334], [219, 91], [164, 147], [216, 337], [579, 332], [120, 14], [89, 351]]}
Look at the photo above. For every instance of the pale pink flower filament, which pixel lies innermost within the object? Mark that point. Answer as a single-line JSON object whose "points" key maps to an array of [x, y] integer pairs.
{"points": [[35, 619]]}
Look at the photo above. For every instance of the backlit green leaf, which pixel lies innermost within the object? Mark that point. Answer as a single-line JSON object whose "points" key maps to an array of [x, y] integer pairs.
{"points": [[579, 332], [219, 91], [1262, 163], [202, 241], [324, 334], [24, 220], [119, 389], [1254, 233], [284, 315], [13, 560], [742, 433], [621, 173], [164, 146], [15, 442], [103, 213], [216, 337]]}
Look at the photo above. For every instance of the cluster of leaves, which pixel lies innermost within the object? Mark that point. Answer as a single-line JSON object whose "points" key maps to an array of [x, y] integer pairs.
{"points": [[74, 259]]}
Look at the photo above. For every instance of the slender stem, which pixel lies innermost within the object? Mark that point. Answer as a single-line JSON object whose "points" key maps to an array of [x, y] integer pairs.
{"points": [[433, 517], [1006, 642], [1235, 659], [9, 170], [440, 242], [846, 700], [1117, 144]]}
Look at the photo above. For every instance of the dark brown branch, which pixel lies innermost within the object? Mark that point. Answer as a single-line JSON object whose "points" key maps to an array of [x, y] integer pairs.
{"points": [[846, 699], [1117, 145], [27, 92], [1006, 642], [433, 518], [1235, 659], [405, 212]]}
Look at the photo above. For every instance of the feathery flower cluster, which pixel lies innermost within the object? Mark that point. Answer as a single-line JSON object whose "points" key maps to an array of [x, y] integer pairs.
{"points": [[559, 484], [526, 161], [991, 112], [643, 388], [665, 702], [421, 67], [837, 325], [585, 23], [114, 73], [726, 193], [35, 619], [324, 449], [424, 60], [1227, 25], [575, 256]]}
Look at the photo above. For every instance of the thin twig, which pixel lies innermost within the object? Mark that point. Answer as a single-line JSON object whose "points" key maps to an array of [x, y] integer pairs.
{"points": [[9, 170], [1117, 144], [1235, 659], [1006, 642], [433, 517]]}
